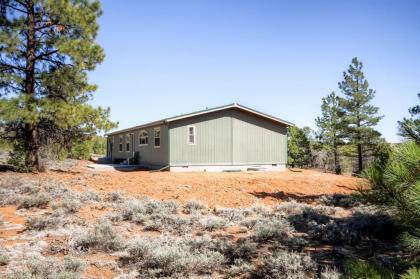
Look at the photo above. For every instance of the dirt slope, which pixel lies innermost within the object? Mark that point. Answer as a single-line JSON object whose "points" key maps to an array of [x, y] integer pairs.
{"points": [[215, 189]]}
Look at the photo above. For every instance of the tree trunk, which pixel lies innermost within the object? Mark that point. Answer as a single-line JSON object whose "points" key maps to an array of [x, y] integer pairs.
{"points": [[359, 157], [336, 162], [31, 136]]}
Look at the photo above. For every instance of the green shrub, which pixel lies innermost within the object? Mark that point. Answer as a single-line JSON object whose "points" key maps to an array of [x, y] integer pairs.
{"points": [[412, 273], [359, 269], [395, 184]]}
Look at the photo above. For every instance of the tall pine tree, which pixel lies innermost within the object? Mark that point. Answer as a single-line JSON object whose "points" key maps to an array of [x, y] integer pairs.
{"points": [[330, 126], [409, 128], [46, 49], [360, 115]]}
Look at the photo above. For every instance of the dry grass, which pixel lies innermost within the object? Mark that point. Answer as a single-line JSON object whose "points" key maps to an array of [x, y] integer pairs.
{"points": [[124, 233]]}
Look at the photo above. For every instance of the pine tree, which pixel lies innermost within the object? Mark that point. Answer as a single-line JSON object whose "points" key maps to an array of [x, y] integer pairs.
{"points": [[46, 49], [395, 185], [410, 128], [360, 115], [299, 147], [331, 125]]}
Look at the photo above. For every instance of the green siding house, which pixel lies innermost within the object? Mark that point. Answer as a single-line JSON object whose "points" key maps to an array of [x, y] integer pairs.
{"points": [[231, 137]]}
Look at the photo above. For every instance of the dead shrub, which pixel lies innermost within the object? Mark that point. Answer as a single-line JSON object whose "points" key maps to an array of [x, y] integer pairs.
{"points": [[115, 196]]}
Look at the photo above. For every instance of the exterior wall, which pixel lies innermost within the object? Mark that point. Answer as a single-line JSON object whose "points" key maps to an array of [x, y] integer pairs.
{"points": [[257, 140], [149, 155], [228, 138], [213, 143]]}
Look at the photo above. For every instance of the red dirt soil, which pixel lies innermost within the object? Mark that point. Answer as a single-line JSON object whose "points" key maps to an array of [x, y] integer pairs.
{"points": [[216, 189]]}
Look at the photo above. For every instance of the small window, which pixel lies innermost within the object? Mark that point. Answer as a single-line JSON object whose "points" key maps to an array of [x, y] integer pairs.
{"points": [[121, 143], [191, 134], [144, 138], [127, 143], [157, 137]]}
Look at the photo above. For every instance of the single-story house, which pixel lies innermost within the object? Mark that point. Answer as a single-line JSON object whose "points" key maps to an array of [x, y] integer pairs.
{"points": [[231, 137]]}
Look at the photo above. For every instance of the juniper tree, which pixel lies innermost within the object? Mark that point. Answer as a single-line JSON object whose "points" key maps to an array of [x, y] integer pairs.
{"points": [[46, 49], [331, 124], [360, 115], [410, 128]]}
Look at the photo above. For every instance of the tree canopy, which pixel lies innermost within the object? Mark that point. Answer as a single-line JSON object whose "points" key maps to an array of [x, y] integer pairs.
{"points": [[359, 114], [299, 147], [46, 49], [331, 125], [409, 128]]}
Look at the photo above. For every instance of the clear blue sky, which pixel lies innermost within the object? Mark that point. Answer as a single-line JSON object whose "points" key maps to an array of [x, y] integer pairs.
{"points": [[164, 58]]}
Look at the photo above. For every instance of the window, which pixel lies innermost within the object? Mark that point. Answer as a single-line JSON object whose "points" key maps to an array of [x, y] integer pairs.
{"points": [[191, 134], [157, 137], [143, 138], [121, 143], [127, 143]]}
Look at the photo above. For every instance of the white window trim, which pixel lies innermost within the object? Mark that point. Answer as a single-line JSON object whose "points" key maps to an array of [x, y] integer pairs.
{"points": [[121, 144], [127, 140], [154, 137], [188, 135], [145, 144]]}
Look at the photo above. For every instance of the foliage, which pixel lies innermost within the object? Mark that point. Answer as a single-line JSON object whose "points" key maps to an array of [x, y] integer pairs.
{"points": [[331, 126], [299, 148], [102, 236], [40, 200], [47, 48], [359, 115], [410, 128], [395, 184], [50, 268], [283, 264], [359, 269], [4, 257], [412, 273], [175, 258], [40, 223], [84, 149]]}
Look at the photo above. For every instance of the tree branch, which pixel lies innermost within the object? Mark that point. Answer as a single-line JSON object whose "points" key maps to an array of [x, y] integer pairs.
{"points": [[14, 8], [46, 54]]}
